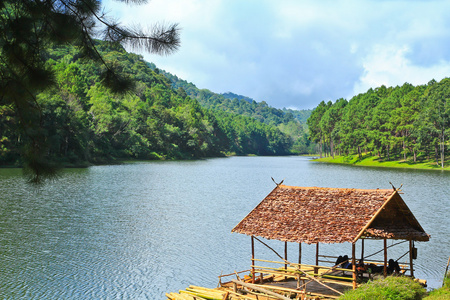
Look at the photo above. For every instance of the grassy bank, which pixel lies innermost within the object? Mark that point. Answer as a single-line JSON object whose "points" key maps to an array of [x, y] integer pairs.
{"points": [[393, 287], [390, 287], [374, 161]]}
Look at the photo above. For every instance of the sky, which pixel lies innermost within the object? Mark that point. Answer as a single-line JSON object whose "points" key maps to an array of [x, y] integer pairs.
{"points": [[294, 53]]}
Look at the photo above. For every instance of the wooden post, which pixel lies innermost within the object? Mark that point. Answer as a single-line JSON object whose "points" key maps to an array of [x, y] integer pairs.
{"points": [[385, 258], [317, 259], [299, 264], [253, 260], [354, 264], [299, 253], [285, 257], [411, 266], [362, 250]]}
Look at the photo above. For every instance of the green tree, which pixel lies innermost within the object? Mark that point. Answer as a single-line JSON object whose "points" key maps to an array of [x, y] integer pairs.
{"points": [[315, 131], [329, 123], [436, 114], [405, 115], [29, 27]]}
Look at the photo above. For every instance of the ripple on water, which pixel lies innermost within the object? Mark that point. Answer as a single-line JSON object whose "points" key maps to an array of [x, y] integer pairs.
{"points": [[139, 231]]}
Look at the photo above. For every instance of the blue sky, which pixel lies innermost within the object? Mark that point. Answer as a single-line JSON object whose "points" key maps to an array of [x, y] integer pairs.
{"points": [[295, 54]]}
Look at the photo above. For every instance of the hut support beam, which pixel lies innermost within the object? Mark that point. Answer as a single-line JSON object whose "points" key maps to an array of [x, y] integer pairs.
{"points": [[354, 265], [253, 259], [285, 256], [299, 263], [317, 258], [362, 250], [299, 253], [411, 266], [385, 257]]}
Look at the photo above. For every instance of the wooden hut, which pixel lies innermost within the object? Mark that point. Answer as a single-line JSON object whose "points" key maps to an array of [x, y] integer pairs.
{"points": [[314, 215]]}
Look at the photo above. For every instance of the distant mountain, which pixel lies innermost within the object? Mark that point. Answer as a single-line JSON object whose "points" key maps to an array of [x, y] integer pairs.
{"points": [[232, 96], [301, 115], [235, 103]]}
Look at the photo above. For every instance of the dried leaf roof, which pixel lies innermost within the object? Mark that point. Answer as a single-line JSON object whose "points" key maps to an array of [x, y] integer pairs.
{"points": [[331, 215]]}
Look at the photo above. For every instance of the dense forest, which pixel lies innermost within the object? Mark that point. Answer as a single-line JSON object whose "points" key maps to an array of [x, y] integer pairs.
{"points": [[290, 122], [403, 123], [84, 122]]}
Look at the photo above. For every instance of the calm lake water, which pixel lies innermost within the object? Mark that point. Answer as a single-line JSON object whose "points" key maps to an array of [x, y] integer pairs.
{"points": [[140, 230]]}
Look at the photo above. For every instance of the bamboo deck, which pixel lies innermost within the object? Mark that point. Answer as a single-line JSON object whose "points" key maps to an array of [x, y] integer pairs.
{"points": [[296, 281], [274, 287]]}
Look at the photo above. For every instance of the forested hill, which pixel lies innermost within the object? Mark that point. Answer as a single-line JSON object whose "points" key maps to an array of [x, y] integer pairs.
{"points": [[238, 104], [403, 123], [300, 115], [290, 122], [83, 122]]}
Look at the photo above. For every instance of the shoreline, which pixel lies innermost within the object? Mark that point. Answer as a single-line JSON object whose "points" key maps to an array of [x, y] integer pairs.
{"points": [[374, 161]]}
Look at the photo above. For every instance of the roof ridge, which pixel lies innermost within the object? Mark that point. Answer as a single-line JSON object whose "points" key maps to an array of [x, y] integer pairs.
{"points": [[331, 188]]}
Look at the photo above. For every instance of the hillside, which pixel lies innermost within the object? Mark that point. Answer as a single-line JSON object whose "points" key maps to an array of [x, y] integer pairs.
{"points": [[288, 121], [82, 122]]}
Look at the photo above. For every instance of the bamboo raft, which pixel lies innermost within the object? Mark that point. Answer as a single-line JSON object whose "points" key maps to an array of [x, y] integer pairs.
{"points": [[298, 281], [351, 215], [271, 284], [240, 290]]}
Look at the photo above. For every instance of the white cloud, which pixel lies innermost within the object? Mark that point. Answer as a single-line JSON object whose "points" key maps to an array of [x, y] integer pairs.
{"points": [[389, 65], [298, 53]]}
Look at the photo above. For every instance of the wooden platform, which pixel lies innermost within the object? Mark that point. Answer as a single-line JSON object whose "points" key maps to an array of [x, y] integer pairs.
{"points": [[309, 289]]}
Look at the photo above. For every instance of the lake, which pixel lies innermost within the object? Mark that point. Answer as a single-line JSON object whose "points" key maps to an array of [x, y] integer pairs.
{"points": [[137, 231]]}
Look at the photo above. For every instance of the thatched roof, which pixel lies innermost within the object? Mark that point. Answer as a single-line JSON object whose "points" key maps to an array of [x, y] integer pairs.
{"points": [[331, 215]]}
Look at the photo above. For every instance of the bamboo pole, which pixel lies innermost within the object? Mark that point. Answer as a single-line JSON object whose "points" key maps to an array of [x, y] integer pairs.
{"points": [[446, 270], [411, 266], [385, 257], [383, 249], [253, 259], [362, 250], [317, 258], [260, 289], [307, 275], [354, 265], [225, 296], [299, 264], [285, 256], [299, 253]]}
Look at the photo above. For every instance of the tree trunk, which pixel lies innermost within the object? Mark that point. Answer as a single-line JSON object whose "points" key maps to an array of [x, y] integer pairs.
{"points": [[404, 149], [331, 148], [436, 153], [443, 149]]}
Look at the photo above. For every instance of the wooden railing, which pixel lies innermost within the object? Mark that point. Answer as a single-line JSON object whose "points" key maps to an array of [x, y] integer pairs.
{"points": [[304, 272], [332, 260]]}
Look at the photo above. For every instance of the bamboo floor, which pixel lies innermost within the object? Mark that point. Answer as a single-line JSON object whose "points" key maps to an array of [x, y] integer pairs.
{"points": [[284, 288], [313, 289], [274, 287]]}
